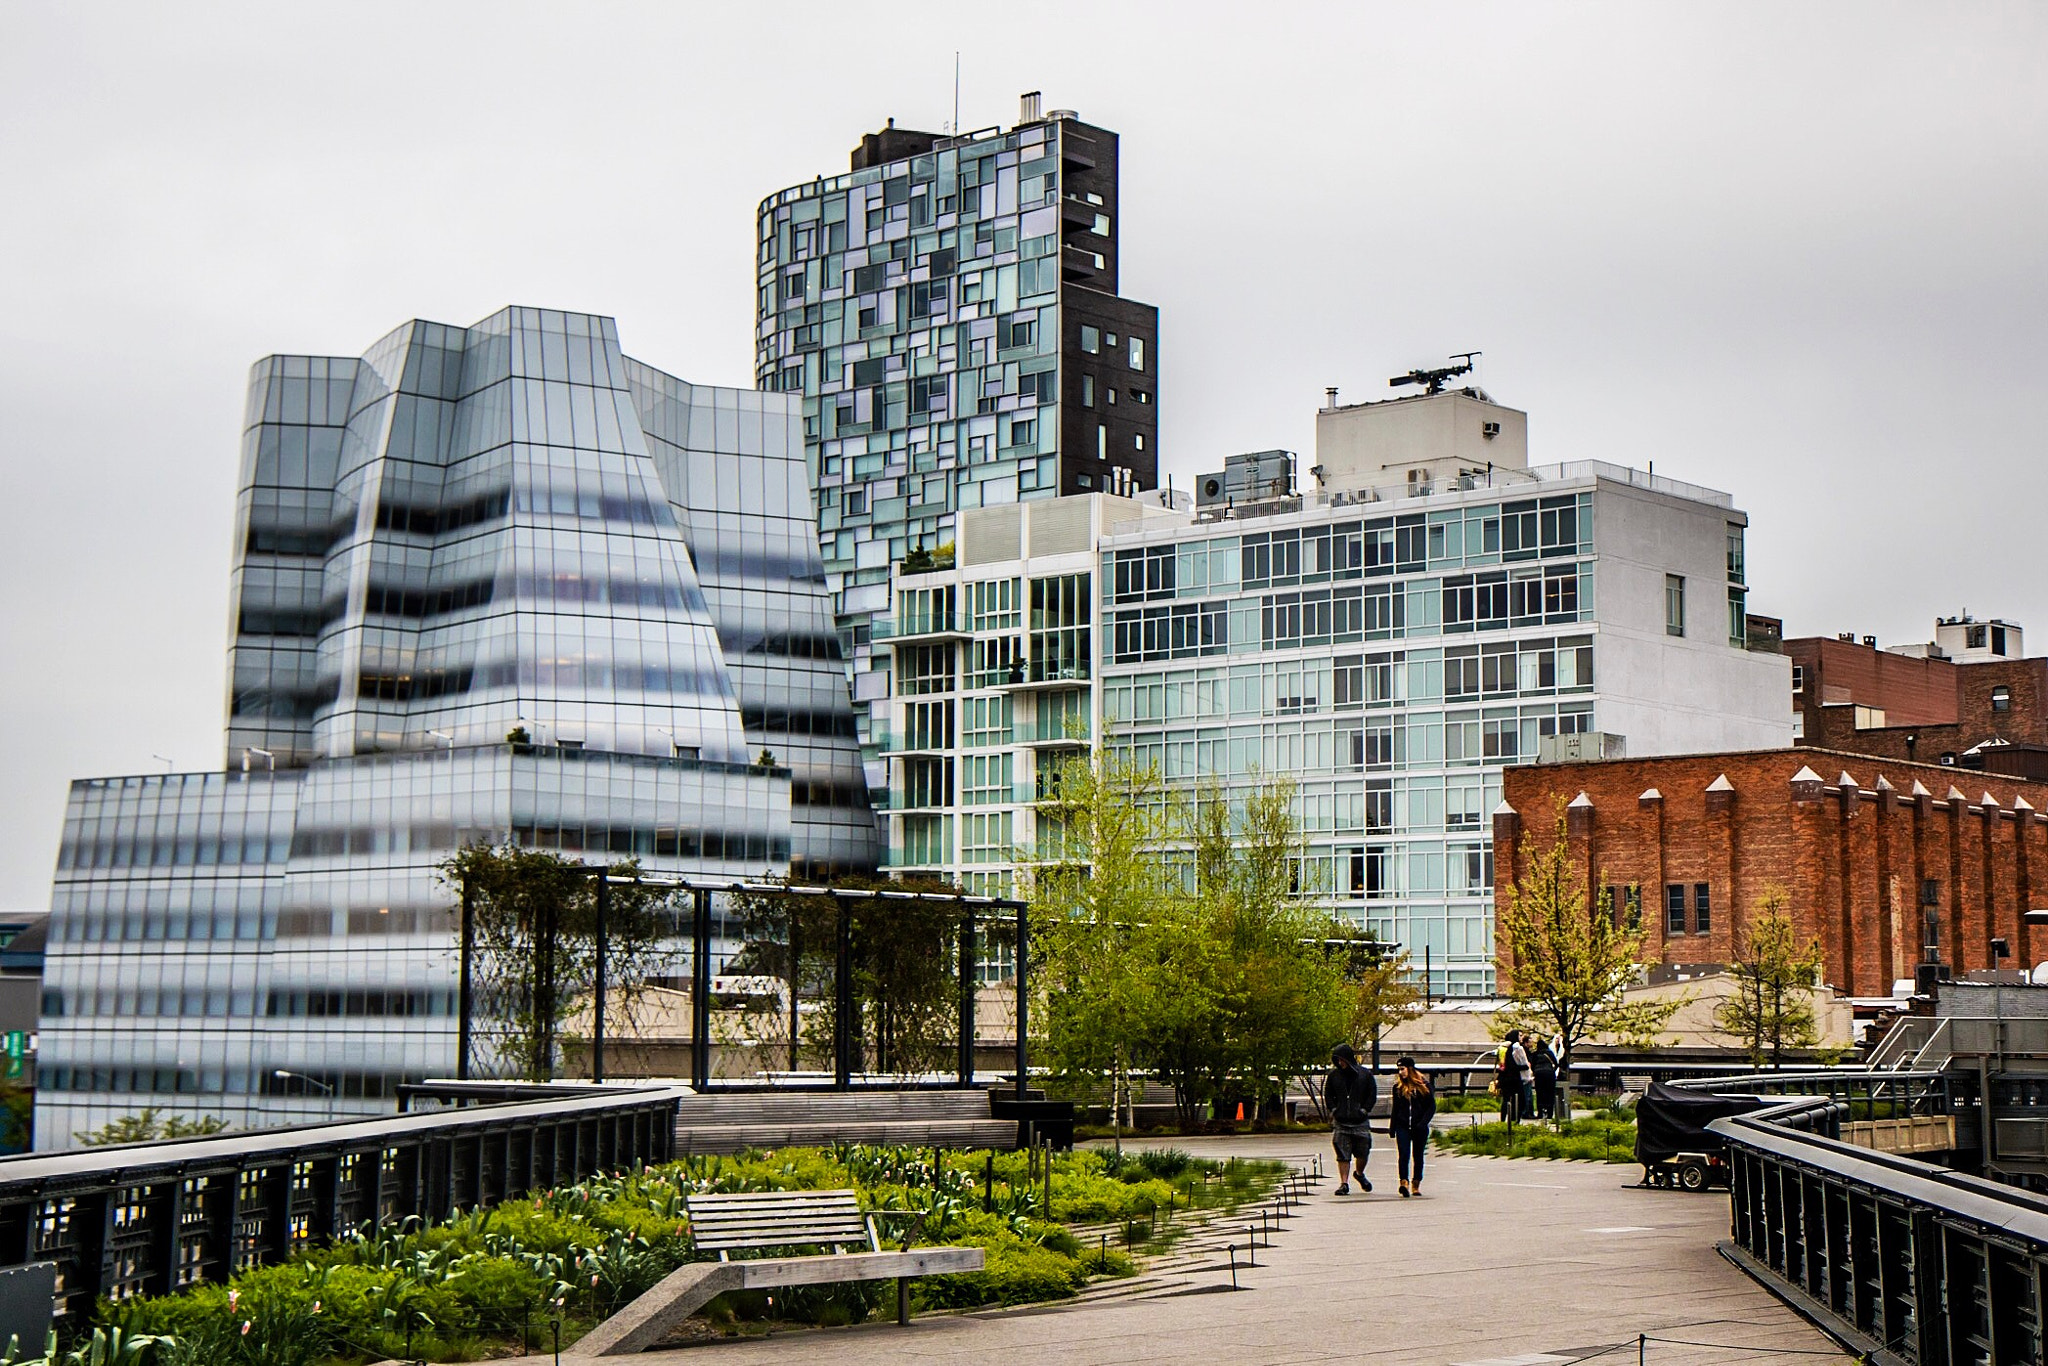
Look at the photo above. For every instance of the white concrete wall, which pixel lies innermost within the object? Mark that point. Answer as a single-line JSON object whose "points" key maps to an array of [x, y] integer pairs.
{"points": [[1669, 694], [1369, 445]]}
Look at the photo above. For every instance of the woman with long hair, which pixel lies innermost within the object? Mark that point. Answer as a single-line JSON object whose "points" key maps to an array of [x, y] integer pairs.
{"points": [[1414, 1107]]}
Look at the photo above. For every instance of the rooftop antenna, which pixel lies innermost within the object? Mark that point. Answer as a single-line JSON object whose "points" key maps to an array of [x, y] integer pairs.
{"points": [[1433, 380]]}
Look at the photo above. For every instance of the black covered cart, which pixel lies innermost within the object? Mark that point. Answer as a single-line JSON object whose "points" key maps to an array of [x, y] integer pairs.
{"points": [[1672, 1139]]}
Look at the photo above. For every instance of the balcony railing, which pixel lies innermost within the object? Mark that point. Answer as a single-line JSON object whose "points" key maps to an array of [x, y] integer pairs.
{"points": [[154, 1218], [926, 626]]}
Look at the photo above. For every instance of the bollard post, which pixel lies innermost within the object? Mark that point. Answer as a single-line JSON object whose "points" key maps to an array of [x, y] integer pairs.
{"points": [[1251, 1245], [1233, 1265]]}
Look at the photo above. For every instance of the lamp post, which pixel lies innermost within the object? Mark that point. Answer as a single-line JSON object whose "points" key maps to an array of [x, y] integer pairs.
{"points": [[282, 1075]]}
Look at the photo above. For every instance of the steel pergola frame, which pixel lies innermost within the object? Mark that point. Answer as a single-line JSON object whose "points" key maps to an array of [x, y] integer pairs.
{"points": [[975, 910]]}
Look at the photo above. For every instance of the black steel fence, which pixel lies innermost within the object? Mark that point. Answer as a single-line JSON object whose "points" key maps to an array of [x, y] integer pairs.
{"points": [[1907, 1261], [149, 1219]]}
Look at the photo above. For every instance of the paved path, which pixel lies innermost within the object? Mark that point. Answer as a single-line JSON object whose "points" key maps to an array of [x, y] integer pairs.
{"points": [[1506, 1263]]}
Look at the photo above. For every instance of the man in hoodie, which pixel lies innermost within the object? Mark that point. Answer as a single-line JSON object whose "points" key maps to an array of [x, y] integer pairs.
{"points": [[1349, 1093]]}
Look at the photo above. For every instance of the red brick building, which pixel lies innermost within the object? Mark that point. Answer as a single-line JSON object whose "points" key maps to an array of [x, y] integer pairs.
{"points": [[1884, 861], [1852, 696]]}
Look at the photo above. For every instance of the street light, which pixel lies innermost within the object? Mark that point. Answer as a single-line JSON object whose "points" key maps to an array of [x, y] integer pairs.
{"points": [[268, 758], [445, 738], [283, 1075]]}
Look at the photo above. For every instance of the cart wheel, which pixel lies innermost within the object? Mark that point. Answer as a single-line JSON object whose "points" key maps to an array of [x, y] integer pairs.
{"points": [[1693, 1176]]}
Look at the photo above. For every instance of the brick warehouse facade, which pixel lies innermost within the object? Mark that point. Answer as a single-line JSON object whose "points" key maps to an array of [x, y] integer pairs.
{"points": [[1880, 858]]}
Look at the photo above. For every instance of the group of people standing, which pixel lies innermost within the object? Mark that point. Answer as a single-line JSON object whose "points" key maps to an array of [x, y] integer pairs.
{"points": [[1525, 1076], [1351, 1092]]}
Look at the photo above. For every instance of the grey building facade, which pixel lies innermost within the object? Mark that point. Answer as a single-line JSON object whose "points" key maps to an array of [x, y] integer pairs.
{"points": [[949, 312], [492, 583]]}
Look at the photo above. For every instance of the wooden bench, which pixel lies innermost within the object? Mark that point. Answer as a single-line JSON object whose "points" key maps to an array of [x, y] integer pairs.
{"points": [[771, 1221], [732, 1121]]}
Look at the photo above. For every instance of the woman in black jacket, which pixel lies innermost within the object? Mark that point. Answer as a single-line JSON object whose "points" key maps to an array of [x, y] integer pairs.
{"points": [[1414, 1107], [1543, 1063]]}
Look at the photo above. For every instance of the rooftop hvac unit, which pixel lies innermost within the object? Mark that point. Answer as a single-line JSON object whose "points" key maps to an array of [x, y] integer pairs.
{"points": [[1584, 747]]}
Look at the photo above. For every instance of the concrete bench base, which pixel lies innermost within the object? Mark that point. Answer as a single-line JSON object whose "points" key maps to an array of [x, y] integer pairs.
{"points": [[654, 1315]]}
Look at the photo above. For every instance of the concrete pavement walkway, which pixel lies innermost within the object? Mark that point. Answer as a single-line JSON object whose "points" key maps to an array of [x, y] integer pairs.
{"points": [[1504, 1262]]}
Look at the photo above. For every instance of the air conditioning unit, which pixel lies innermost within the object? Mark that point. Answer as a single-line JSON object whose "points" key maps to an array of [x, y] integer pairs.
{"points": [[1583, 747]]}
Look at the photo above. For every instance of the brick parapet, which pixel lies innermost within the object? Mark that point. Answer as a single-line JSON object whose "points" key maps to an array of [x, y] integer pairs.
{"points": [[1852, 856]]}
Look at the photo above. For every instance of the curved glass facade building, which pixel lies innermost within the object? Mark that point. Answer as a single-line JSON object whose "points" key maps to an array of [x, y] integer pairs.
{"points": [[464, 534]]}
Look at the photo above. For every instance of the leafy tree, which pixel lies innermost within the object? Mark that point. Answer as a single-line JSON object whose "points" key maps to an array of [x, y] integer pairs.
{"points": [[1566, 964], [17, 1117], [1383, 993], [1772, 1008], [534, 917], [1283, 994], [149, 1125], [1123, 970]]}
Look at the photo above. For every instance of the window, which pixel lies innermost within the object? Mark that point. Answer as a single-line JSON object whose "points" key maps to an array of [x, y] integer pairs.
{"points": [[1674, 908], [985, 839], [992, 605], [923, 669], [1023, 431], [1138, 442], [1735, 567], [987, 722], [1087, 391], [987, 780], [1137, 353], [2001, 698], [856, 502], [1702, 909], [1738, 616], [1674, 605], [995, 661], [1798, 678], [1091, 339]]}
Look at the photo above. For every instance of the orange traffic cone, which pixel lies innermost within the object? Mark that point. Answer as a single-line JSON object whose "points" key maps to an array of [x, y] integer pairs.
{"points": [[1240, 1112]]}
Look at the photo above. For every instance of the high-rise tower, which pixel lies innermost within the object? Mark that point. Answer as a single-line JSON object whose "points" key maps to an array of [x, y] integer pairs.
{"points": [[948, 309]]}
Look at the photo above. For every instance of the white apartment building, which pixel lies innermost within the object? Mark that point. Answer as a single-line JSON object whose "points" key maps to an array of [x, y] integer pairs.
{"points": [[1433, 610], [993, 680]]}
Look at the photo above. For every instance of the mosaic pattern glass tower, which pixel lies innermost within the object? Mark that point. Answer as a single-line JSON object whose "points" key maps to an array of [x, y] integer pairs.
{"points": [[949, 312], [466, 607]]}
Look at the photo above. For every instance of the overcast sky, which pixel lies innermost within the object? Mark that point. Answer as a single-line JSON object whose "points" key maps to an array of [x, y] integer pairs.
{"points": [[1795, 252]]}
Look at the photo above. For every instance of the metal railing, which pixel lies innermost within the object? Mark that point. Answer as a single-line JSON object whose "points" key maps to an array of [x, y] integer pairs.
{"points": [[1905, 1261], [155, 1218]]}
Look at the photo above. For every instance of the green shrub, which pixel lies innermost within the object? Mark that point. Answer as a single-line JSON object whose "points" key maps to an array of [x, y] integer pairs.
{"points": [[481, 1282], [1015, 1272], [1164, 1163], [1596, 1139]]}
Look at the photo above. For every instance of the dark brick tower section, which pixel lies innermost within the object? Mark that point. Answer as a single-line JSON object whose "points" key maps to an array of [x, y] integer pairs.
{"points": [[1935, 710], [1888, 863]]}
